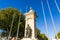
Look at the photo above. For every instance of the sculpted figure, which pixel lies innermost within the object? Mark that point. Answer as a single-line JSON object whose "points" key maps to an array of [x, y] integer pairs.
{"points": [[28, 32]]}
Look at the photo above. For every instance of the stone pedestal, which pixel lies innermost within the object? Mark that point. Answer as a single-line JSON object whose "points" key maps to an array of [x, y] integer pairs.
{"points": [[28, 39]]}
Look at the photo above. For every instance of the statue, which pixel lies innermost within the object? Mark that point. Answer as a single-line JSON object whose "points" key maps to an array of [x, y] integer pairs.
{"points": [[28, 32]]}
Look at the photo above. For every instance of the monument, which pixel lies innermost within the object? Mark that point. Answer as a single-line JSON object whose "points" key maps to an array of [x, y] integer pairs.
{"points": [[30, 25]]}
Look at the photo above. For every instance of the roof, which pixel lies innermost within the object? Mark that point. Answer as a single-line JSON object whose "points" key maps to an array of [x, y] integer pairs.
{"points": [[31, 10]]}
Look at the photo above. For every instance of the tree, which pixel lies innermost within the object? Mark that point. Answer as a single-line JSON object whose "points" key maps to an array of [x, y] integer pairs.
{"points": [[41, 36], [58, 35], [6, 16]]}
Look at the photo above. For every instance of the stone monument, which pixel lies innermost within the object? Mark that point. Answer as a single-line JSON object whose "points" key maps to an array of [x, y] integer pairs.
{"points": [[30, 25]]}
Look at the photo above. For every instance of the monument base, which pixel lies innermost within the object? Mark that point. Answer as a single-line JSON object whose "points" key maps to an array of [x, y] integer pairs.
{"points": [[28, 39]]}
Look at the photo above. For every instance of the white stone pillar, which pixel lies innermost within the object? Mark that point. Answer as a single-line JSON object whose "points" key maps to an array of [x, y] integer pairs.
{"points": [[30, 19]]}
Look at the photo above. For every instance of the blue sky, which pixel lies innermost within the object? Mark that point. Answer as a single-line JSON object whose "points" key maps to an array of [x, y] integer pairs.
{"points": [[36, 5]]}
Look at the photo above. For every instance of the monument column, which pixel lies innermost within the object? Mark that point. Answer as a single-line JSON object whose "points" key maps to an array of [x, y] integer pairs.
{"points": [[30, 25], [30, 20]]}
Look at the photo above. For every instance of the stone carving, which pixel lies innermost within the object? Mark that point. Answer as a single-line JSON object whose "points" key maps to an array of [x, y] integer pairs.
{"points": [[30, 25], [28, 32]]}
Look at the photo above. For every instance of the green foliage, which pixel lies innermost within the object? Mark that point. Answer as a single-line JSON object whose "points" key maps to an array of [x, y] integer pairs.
{"points": [[6, 16], [41, 36], [58, 35]]}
